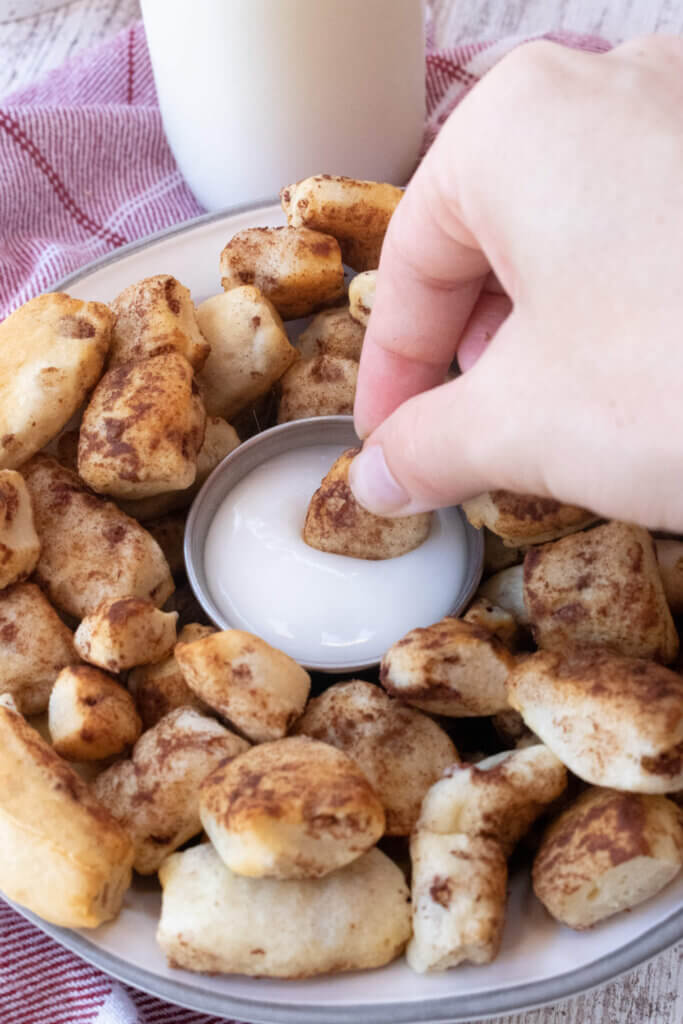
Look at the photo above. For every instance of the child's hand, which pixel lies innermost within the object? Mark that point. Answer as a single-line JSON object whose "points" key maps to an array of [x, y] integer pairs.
{"points": [[562, 172]]}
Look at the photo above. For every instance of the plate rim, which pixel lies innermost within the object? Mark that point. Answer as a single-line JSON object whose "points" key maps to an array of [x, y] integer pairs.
{"points": [[159, 236], [438, 1010], [458, 1007]]}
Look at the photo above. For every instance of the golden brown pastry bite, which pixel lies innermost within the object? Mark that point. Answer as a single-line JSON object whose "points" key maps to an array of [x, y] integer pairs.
{"points": [[601, 588], [335, 522], [155, 794], [521, 519], [356, 213], [35, 646], [613, 721], [52, 351], [362, 296], [161, 687], [298, 270], [90, 551], [258, 688], [401, 751], [62, 855], [607, 852], [213, 920], [333, 332], [458, 894], [324, 385], [142, 429], [450, 668], [498, 798], [250, 349], [153, 317], [220, 438], [126, 632], [294, 808], [471, 819], [19, 543], [91, 716]]}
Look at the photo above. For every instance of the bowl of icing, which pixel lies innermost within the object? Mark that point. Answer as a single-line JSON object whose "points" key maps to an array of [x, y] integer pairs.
{"points": [[250, 568]]}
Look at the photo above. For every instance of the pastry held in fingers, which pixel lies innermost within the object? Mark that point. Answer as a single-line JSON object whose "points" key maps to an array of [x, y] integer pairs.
{"points": [[35, 646], [213, 920], [155, 794], [62, 855], [450, 668], [299, 270], [143, 429], [600, 588], [335, 522], [91, 716], [19, 543], [459, 890], [362, 296], [126, 632], [161, 687], [521, 519], [400, 751], [295, 808], [324, 385], [606, 853], [90, 551], [498, 798], [256, 687], [155, 316], [356, 213], [52, 351], [613, 721], [250, 350]]}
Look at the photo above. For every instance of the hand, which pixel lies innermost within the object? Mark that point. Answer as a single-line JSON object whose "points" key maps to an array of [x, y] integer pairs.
{"points": [[561, 173]]}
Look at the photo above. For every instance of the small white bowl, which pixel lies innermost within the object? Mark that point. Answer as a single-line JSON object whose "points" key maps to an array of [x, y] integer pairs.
{"points": [[297, 434]]}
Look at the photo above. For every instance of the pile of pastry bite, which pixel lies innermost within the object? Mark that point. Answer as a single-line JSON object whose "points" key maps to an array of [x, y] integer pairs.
{"points": [[288, 830]]}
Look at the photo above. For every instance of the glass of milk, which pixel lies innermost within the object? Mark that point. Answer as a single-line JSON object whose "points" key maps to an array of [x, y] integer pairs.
{"points": [[256, 94]]}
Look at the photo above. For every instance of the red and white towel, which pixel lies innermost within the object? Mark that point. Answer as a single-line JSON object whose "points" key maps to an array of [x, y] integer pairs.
{"points": [[85, 168]]}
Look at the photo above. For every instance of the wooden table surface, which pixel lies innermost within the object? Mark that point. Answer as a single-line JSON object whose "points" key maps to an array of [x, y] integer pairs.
{"points": [[653, 994]]}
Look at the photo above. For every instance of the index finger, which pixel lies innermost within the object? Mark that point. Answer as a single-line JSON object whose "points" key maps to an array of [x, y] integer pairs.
{"points": [[430, 275]]}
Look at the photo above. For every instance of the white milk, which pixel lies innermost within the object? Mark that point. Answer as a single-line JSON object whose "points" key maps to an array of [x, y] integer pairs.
{"points": [[256, 94], [318, 607]]}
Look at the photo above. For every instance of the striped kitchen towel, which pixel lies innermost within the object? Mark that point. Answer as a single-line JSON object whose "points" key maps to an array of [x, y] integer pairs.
{"points": [[85, 168]]}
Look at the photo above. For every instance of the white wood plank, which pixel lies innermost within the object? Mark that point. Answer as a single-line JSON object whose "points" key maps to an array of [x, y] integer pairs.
{"points": [[32, 46], [457, 20]]}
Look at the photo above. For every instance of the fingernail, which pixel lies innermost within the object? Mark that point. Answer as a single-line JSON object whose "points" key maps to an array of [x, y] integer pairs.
{"points": [[361, 430], [374, 485]]}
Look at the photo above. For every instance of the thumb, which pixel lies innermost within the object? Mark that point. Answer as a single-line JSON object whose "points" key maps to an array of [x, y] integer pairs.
{"points": [[446, 445]]}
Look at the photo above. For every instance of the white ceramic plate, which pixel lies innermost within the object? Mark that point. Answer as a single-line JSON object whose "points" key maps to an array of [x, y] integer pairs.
{"points": [[540, 961]]}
